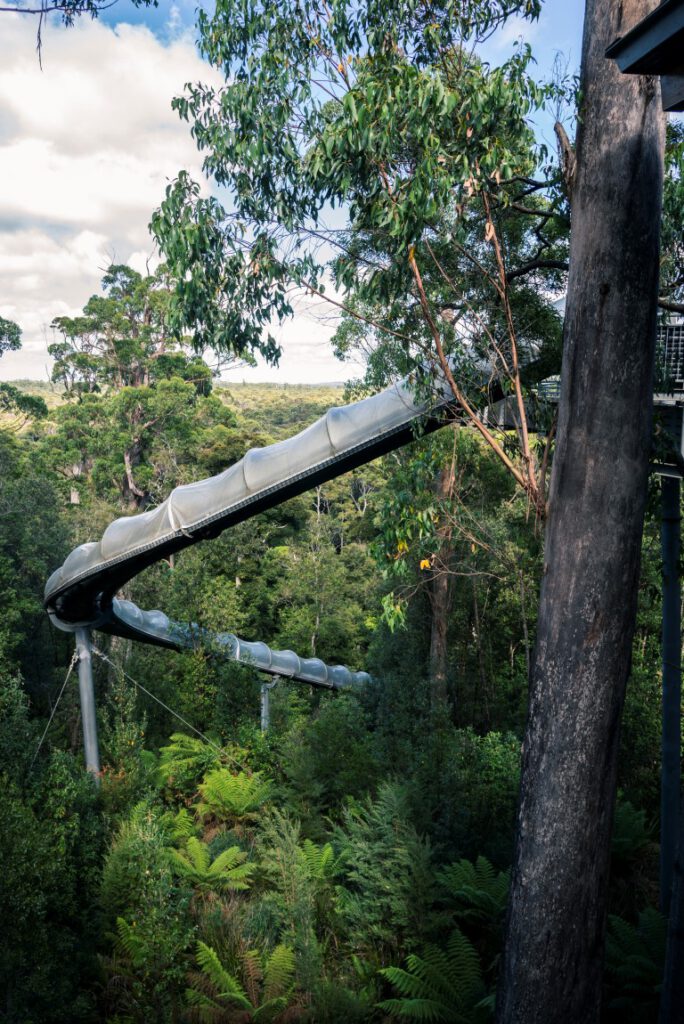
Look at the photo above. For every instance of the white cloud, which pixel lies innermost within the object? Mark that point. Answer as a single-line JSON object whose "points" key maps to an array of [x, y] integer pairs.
{"points": [[305, 341], [87, 146]]}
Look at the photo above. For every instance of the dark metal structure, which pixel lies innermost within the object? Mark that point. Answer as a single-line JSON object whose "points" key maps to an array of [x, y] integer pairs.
{"points": [[655, 46]]}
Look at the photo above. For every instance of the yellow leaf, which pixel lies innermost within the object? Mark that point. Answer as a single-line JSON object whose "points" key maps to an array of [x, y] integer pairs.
{"points": [[425, 563]]}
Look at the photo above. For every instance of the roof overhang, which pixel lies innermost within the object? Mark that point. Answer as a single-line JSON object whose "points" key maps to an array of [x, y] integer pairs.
{"points": [[655, 46]]}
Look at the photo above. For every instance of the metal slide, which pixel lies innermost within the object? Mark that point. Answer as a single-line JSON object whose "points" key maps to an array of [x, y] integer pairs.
{"points": [[81, 593]]}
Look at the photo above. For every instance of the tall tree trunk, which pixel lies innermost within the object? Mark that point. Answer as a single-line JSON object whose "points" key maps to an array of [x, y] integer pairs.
{"points": [[440, 604], [440, 588], [552, 964]]}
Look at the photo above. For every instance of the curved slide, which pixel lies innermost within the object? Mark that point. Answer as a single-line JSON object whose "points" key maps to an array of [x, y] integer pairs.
{"points": [[81, 593]]}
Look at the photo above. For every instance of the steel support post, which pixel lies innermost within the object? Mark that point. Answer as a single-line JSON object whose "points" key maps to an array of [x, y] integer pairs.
{"points": [[87, 693], [672, 659], [266, 704]]}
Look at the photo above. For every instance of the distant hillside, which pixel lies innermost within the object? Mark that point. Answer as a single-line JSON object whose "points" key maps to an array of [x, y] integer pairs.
{"points": [[279, 409], [50, 393]]}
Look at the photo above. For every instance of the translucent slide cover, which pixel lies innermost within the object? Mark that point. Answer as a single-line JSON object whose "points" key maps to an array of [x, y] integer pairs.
{"points": [[82, 591]]}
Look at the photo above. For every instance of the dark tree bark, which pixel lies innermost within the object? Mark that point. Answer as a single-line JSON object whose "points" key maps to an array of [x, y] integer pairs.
{"points": [[552, 963], [440, 593]]}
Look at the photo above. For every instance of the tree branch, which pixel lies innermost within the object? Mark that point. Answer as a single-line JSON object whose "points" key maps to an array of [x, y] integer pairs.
{"points": [[670, 306], [527, 268], [567, 156]]}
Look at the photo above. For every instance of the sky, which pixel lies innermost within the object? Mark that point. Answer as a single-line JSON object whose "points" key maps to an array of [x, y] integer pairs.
{"points": [[89, 142]]}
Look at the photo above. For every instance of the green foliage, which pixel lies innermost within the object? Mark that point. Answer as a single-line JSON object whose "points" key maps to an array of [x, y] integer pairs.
{"points": [[185, 759], [150, 915], [477, 892], [635, 956], [380, 797], [329, 755], [143, 401], [265, 994], [387, 883], [10, 336], [70, 10], [300, 898], [51, 848], [122, 338], [228, 871], [631, 832], [12, 400], [232, 798], [380, 109], [441, 985]]}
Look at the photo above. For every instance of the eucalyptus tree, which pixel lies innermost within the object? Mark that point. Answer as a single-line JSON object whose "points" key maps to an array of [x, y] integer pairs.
{"points": [[552, 964], [380, 117], [18, 406], [140, 399], [123, 338]]}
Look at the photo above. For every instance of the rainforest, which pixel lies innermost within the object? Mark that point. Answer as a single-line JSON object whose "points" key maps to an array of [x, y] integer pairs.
{"points": [[340, 656]]}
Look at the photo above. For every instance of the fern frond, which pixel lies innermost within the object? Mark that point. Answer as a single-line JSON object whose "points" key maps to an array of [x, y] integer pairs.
{"points": [[230, 797], [320, 861], [227, 987], [439, 985], [418, 1009], [478, 890], [205, 1009], [129, 943], [269, 1011], [183, 825], [406, 983], [279, 973], [434, 971], [252, 974], [465, 972], [198, 854]]}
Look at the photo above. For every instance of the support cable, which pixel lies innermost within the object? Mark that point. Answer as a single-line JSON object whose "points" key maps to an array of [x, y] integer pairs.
{"points": [[176, 714], [74, 659]]}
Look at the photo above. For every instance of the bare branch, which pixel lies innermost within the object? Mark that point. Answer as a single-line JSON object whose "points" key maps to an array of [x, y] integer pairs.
{"points": [[527, 268], [568, 158]]}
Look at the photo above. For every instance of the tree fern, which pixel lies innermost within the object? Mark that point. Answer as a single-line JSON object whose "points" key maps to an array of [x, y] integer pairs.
{"points": [[185, 759], [477, 891], [321, 862], [232, 798], [388, 883], [632, 834], [228, 871], [441, 985], [265, 994], [182, 825]]}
